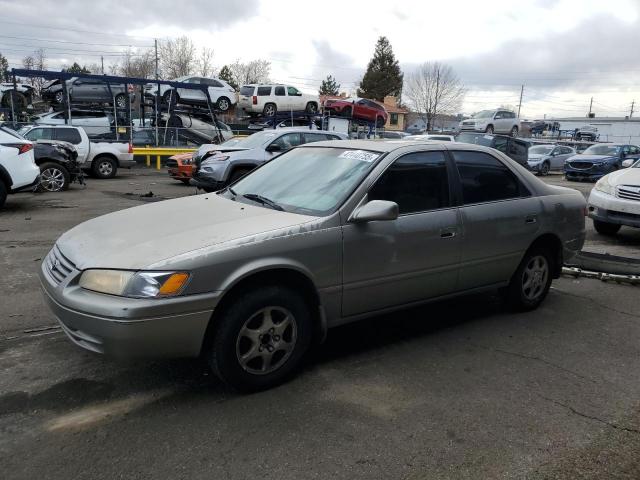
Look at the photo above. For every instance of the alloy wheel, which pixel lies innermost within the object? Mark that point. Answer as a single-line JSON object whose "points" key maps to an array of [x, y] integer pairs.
{"points": [[52, 179], [269, 111], [223, 105], [105, 168], [534, 277], [266, 340]]}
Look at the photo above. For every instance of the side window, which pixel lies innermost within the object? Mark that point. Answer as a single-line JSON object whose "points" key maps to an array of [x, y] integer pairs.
{"points": [[58, 116], [70, 135], [214, 83], [264, 91], [287, 141], [39, 134], [498, 115], [634, 150], [393, 119], [417, 182], [626, 149], [280, 91], [484, 178], [293, 92], [518, 149], [314, 137], [501, 144]]}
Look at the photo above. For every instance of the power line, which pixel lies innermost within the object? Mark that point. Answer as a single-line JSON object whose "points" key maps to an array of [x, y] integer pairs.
{"points": [[81, 50], [22, 24], [76, 43]]}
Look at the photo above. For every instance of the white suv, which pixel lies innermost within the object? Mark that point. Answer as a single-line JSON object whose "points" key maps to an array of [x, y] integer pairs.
{"points": [[269, 99], [18, 169], [222, 95], [492, 121]]}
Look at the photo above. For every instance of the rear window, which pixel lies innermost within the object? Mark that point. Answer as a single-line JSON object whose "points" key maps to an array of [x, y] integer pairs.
{"points": [[264, 91], [246, 91], [70, 135]]}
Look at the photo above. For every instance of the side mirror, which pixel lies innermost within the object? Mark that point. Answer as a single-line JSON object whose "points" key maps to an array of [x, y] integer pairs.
{"points": [[274, 147], [627, 163], [375, 210]]}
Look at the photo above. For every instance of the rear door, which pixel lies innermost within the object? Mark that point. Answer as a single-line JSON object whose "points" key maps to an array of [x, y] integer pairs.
{"points": [[412, 258], [283, 102], [499, 219], [71, 135]]}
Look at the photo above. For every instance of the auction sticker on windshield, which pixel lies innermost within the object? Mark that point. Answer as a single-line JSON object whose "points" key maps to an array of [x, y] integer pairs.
{"points": [[361, 155]]}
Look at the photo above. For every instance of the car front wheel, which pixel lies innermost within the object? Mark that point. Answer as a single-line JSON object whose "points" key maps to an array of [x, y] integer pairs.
{"points": [[514, 131], [260, 338], [531, 282], [489, 129], [544, 169], [54, 177], [604, 228]]}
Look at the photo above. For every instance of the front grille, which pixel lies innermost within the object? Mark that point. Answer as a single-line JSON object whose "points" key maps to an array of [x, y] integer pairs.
{"points": [[581, 165], [628, 192], [58, 266]]}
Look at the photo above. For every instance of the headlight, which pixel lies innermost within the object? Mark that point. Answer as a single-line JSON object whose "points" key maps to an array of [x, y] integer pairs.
{"points": [[604, 186], [126, 283]]}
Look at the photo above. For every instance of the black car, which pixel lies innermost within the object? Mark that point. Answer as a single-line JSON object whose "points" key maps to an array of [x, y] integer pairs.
{"points": [[515, 148], [58, 162]]}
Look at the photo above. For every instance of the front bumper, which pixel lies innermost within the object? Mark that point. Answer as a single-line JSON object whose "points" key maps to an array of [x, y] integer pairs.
{"points": [[594, 173], [610, 209], [181, 172], [206, 183], [126, 327]]}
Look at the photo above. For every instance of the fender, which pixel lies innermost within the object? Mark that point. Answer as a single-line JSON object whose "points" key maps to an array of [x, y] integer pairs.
{"points": [[6, 178]]}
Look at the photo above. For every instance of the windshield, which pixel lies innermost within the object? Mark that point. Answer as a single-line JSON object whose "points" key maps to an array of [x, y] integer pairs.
{"points": [[13, 133], [316, 182], [256, 140], [602, 150], [541, 150], [484, 114]]}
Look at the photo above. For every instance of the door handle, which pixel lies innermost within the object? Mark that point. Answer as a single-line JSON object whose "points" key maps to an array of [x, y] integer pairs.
{"points": [[530, 219], [447, 233]]}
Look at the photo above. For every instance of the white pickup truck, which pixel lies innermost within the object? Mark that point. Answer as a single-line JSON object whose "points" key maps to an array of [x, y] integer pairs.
{"points": [[100, 159]]}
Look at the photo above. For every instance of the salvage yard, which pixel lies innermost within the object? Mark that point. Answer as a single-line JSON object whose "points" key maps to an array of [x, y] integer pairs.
{"points": [[459, 389]]}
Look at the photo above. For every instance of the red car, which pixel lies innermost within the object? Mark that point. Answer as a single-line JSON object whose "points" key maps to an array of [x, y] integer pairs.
{"points": [[358, 108], [180, 167]]}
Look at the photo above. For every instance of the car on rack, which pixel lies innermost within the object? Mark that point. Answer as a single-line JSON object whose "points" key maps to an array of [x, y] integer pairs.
{"points": [[325, 234], [492, 121], [615, 199], [269, 99], [101, 158], [431, 137], [222, 95], [88, 90], [599, 160], [219, 165], [358, 108], [22, 95], [18, 169], [515, 148], [548, 157], [93, 122]]}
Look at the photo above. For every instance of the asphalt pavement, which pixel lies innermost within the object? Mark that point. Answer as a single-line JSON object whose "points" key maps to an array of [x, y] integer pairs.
{"points": [[459, 389]]}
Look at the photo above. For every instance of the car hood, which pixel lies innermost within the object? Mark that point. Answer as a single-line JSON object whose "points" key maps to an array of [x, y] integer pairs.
{"points": [[537, 158], [139, 237], [591, 158], [627, 176]]}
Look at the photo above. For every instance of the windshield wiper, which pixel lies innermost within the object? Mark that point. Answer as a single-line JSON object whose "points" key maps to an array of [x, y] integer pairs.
{"points": [[263, 200]]}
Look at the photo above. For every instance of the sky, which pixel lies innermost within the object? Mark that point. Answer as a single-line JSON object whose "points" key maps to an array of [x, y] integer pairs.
{"points": [[563, 51]]}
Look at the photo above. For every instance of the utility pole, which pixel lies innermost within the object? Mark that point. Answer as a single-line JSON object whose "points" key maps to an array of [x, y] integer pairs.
{"points": [[155, 42], [590, 105], [520, 103], [632, 105], [102, 63]]}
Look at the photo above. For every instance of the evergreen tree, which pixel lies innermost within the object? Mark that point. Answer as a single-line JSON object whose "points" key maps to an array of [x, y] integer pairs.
{"points": [[329, 86], [383, 76], [5, 76], [75, 68], [226, 75]]}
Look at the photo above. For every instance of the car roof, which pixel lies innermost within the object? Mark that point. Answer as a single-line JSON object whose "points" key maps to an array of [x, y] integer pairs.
{"points": [[382, 146]]}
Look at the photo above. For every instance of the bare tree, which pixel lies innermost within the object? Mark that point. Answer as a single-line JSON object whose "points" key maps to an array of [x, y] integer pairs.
{"points": [[256, 71], [177, 57], [37, 61], [135, 64], [434, 89], [205, 63]]}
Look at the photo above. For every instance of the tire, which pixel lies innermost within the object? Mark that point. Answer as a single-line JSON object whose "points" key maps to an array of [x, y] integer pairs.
{"points": [[3, 193], [104, 167], [186, 181], [238, 174], [170, 97], [59, 97], [311, 108], [271, 327], [379, 122], [121, 100], [270, 109], [19, 100], [531, 282], [544, 170], [54, 177], [604, 228], [489, 129], [223, 104], [514, 131]]}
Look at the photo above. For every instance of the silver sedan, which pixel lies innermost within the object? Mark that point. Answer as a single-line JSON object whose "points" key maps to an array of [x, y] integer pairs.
{"points": [[325, 234]]}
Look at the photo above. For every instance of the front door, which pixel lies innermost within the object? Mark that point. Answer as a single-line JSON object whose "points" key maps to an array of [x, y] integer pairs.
{"points": [[412, 258], [499, 219]]}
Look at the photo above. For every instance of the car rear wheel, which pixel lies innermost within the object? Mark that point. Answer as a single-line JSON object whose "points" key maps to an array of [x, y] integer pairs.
{"points": [[223, 104], [104, 167], [54, 177], [260, 338], [312, 108], [121, 100], [514, 131], [59, 97], [3, 193], [489, 129], [531, 282], [604, 228], [170, 97], [270, 110], [544, 169]]}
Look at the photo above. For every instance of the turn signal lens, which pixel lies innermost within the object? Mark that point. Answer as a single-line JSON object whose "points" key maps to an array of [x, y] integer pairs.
{"points": [[174, 284]]}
